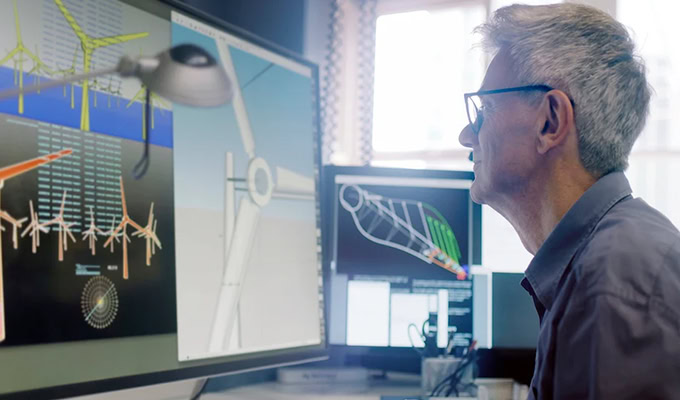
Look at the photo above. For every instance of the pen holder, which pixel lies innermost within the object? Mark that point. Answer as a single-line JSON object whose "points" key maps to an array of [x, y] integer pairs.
{"points": [[442, 376]]}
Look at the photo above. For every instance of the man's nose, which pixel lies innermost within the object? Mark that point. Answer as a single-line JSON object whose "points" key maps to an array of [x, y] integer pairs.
{"points": [[467, 137]]}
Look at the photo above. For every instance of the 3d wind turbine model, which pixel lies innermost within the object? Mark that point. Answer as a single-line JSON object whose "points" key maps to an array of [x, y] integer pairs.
{"points": [[91, 233], [240, 228], [411, 226], [16, 224], [115, 236], [7, 173], [147, 232], [64, 228], [34, 229]]}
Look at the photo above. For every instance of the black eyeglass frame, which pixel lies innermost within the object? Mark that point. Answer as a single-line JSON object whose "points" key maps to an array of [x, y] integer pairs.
{"points": [[467, 96]]}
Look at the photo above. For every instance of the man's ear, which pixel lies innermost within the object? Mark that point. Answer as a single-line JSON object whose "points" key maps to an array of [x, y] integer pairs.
{"points": [[557, 121]]}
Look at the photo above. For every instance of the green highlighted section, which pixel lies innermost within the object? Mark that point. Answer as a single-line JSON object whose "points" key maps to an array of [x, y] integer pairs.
{"points": [[443, 237]]}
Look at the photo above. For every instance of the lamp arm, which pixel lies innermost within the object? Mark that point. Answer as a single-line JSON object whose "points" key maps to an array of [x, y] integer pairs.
{"points": [[6, 94]]}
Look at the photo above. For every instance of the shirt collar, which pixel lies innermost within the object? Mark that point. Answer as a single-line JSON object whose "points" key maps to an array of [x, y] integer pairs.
{"points": [[547, 267]]}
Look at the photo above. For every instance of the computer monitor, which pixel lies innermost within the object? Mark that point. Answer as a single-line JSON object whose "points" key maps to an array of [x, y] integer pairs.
{"points": [[505, 325], [505, 316], [400, 243], [110, 282]]}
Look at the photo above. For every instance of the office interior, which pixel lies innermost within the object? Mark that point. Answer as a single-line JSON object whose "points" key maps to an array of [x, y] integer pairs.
{"points": [[370, 104]]}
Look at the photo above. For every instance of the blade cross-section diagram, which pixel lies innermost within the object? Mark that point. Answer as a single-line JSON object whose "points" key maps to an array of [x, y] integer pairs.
{"points": [[410, 226]]}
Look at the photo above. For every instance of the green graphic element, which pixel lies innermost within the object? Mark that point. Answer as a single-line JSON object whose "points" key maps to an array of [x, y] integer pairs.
{"points": [[442, 235]]}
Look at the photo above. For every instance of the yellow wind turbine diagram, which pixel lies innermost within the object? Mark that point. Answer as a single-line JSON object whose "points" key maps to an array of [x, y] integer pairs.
{"points": [[88, 45], [20, 54]]}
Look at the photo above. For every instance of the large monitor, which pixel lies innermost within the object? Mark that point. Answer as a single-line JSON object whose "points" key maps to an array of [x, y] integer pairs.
{"points": [[400, 245], [107, 282]]}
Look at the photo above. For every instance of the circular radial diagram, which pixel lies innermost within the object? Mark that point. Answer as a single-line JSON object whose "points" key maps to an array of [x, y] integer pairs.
{"points": [[99, 302]]}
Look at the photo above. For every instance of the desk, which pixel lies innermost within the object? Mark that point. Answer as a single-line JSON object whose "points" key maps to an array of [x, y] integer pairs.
{"points": [[405, 386], [497, 389]]}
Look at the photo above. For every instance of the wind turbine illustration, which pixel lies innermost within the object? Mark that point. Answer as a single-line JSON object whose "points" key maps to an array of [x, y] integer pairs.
{"points": [[16, 224], [64, 228], [89, 45], [34, 228], [148, 232], [411, 226], [10, 172], [240, 228], [115, 236], [91, 233]]}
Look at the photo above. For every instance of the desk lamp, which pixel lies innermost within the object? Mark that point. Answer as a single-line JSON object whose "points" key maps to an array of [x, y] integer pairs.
{"points": [[185, 74]]}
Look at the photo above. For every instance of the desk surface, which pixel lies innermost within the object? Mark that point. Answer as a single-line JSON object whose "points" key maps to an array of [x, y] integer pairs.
{"points": [[501, 389], [277, 391]]}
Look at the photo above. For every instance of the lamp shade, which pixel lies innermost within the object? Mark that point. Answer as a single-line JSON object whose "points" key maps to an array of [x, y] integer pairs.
{"points": [[186, 74]]}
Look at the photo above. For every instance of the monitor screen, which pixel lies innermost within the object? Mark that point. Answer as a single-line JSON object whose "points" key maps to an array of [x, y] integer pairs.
{"points": [[108, 282], [514, 319], [400, 245], [505, 316]]}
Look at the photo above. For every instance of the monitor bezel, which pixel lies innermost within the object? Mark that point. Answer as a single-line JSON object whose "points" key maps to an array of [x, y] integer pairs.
{"points": [[258, 360], [403, 359]]}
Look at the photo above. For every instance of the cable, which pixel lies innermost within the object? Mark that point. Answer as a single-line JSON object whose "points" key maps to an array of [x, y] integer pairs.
{"points": [[408, 332], [143, 164], [452, 380], [245, 85]]}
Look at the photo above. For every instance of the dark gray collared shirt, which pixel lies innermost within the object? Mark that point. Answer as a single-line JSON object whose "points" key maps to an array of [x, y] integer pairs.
{"points": [[606, 285]]}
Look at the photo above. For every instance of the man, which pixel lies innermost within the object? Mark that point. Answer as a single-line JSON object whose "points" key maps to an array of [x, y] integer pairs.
{"points": [[560, 107]]}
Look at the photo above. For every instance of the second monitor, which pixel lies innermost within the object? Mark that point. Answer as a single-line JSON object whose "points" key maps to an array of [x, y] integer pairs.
{"points": [[400, 245]]}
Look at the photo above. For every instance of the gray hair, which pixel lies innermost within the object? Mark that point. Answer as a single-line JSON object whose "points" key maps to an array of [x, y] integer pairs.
{"points": [[590, 56]]}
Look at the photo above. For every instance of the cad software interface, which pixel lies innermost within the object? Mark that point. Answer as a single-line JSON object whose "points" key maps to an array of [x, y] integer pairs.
{"points": [[244, 180], [400, 258]]}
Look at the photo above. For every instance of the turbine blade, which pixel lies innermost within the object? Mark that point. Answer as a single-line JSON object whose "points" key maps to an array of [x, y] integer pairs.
{"points": [[238, 103], [293, 185], [19, 168]]}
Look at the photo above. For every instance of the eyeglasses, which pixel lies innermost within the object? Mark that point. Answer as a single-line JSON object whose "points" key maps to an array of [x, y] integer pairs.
{"points": [[475, 111]]}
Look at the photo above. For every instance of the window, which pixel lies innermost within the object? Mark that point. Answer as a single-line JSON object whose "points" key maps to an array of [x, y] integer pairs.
{"points": [[425, 60], [654, 170]]}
